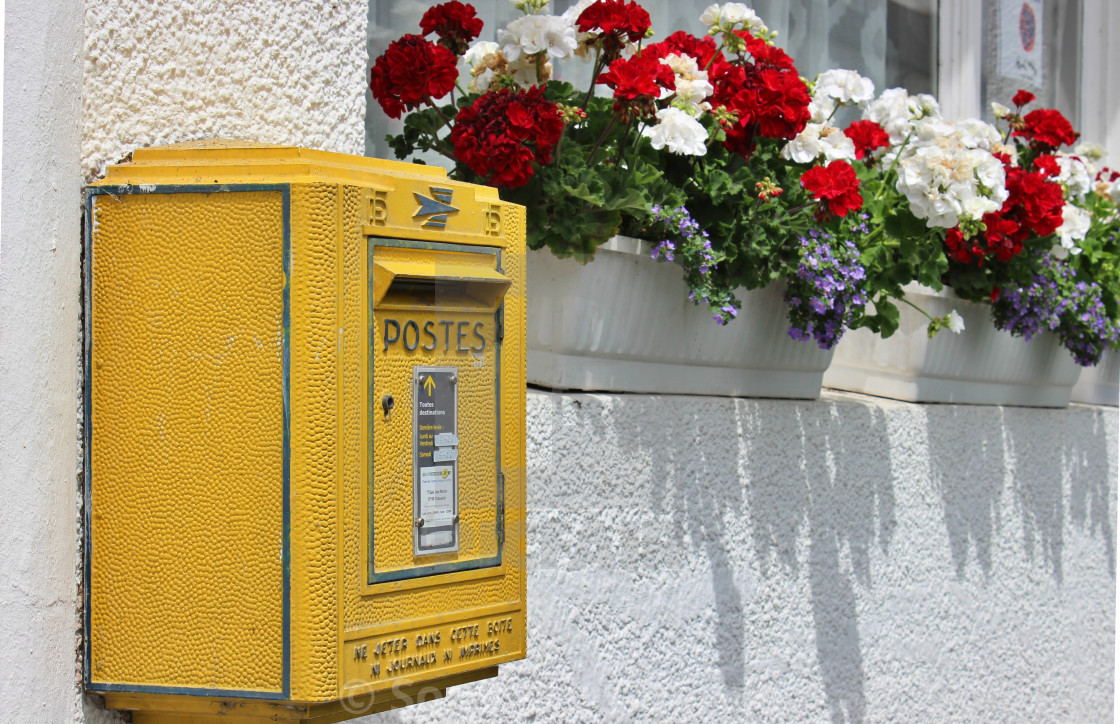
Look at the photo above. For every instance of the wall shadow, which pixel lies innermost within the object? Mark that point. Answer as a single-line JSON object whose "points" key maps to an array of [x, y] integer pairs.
{"points": [[967, 455], [831, 473], [1088, 463], [977, 453], [823, 465]]}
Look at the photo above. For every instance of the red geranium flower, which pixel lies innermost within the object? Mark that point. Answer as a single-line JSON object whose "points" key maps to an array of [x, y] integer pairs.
{"points": [[765, 54], [767, 97], [704, 50], [867, 136], [1047, 128], [1047, 164], [1022, 98], [617, 22], [1039, 200], [959, 250], [1003, 236], [412, 71], [504, 132], [767, 101], [456, 25], [836, 185], [639, 75]]}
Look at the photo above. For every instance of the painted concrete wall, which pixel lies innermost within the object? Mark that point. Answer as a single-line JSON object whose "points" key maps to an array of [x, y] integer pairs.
{"points": [[851, 559], [39, 305]]}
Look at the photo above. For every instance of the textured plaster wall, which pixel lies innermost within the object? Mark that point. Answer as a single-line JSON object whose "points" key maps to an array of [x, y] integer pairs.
{"points": [[167, 71], [851, 559]]}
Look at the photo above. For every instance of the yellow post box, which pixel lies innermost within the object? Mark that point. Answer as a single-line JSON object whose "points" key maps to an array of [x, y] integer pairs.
{"points": [[305, 410]]}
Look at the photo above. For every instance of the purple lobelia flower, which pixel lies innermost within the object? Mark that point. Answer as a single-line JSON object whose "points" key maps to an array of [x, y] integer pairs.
{"points": [[1056, 301], [828, 290]]}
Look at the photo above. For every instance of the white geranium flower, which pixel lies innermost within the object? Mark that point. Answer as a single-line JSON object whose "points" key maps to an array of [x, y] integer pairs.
{"points": [[1089, 150], [480, 83], [945, 181], [891, 110], [821, 108], [975, 133], [732, 15], [989, 171], [975, 206], [479, 51], [999, 110], [1075, 225], [819, 140], [924, 105], [805, 146], [692, 85], [532, 34], [836, 146], [679, 132], [524, 70], [710, 16], [1074, 176], [481, 58], [846, 86], [956, 322]]}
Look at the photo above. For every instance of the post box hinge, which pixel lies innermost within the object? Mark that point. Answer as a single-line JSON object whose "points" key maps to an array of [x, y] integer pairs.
{"points": [[501, 322], [501, 509]]}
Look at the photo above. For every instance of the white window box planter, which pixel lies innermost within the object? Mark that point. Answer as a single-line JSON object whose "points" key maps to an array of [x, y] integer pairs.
{"points": [[1099, 385], [623, 323], [981, 365]]}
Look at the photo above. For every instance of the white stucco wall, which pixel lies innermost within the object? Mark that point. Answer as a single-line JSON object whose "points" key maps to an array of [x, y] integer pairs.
{"points": [[258, 70], [850, 559], [39, 307]]}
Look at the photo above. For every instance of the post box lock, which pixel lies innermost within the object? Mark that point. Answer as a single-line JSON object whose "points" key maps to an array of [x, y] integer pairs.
{"points": [[304, 435]]}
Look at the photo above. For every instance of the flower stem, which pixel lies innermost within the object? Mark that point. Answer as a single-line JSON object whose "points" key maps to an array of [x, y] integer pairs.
{"points": [[894, 163], [802, 207], [622, 143], [591, 156], [904, 300], [439, 113], [594, 76]]}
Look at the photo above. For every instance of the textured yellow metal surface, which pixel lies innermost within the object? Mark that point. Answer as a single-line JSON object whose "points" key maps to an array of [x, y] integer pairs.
{"points": [[317, 213], [224, 497], [187, 440]]}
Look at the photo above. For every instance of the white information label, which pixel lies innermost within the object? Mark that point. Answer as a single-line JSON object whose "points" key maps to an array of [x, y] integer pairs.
{"points": [[1020, 41], [445, 454], [444, 439], [437, 496]]}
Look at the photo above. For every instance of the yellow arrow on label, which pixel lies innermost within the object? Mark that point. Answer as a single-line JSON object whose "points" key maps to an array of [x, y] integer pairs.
{"points": [[429, 385]]}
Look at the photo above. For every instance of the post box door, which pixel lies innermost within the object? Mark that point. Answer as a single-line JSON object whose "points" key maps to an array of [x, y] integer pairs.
{"points": [[436, 327]]}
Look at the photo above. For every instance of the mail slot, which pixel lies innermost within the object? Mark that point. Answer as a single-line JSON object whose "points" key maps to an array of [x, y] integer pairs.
{"points": [[304, 434]]}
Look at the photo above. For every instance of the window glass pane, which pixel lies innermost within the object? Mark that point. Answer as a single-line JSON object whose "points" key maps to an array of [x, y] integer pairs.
{"points": [[1034, 45], [893, 42], [911, 61]]}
